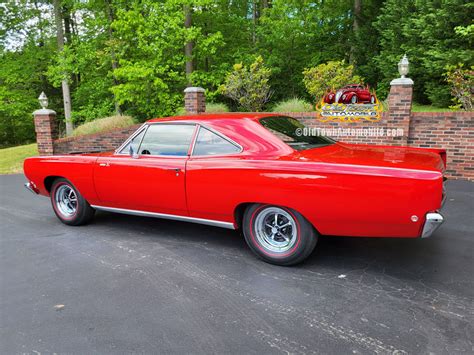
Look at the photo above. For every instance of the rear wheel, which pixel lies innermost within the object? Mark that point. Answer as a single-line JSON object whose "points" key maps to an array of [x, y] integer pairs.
{"points": [[69, 205], [278, 235]]}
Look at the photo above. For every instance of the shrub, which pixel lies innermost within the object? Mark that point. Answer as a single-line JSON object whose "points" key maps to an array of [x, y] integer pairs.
{"points": [[212, 107], [332, 75], [293, 105], [103, 125], [249, 87], [180, 111], [462, 86]]}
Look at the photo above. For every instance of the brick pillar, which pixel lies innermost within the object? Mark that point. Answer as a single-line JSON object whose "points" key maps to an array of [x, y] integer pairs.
{"points": [[399, 105], [46, 130], [194, 100]]}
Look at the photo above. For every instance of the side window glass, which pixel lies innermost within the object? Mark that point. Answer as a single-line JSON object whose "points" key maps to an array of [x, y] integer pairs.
{"points": [[209, 143], [167, 139], [133, 143]]}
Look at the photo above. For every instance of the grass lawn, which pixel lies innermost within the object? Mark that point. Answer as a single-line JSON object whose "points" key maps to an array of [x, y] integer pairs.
{"points": [[11, 159], [429, 108]]}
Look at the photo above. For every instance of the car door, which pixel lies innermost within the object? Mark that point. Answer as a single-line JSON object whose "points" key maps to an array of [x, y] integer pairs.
{"points": [[152, 178], [214, 179]]}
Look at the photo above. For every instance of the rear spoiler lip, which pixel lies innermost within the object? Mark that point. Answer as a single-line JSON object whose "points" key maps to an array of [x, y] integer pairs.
{"points": [[440, 151]]}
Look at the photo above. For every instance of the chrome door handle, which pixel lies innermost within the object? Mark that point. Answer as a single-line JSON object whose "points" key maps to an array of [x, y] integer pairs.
{"points": [[104, 164], [176, 170]]}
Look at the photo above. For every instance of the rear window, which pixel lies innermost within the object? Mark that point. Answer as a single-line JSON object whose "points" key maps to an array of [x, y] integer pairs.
{"points": [[291, 131]]}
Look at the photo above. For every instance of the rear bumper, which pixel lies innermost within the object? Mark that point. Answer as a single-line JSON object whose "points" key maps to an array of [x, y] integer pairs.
{"points": [[432, 223], [30, 187]]}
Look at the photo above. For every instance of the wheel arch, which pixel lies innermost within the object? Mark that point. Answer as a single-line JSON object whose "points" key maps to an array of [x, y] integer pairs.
{"points": [[49, 180], [239, 211]]}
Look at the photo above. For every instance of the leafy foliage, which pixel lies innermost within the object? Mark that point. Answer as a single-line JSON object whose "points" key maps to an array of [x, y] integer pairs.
{"points": [[249, 86], [462, 86], [293, 105], [128, 56], [331, 75], [212, 107], [103, 125], [433, 34]]}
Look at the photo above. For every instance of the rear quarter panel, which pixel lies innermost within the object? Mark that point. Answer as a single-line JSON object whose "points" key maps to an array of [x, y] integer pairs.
{"points": [[76, 168], [337, 200]]}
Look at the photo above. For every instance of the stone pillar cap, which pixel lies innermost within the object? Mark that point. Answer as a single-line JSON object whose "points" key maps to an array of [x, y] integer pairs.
{"points": [[44, 111], [193, 89], [402, 81]]}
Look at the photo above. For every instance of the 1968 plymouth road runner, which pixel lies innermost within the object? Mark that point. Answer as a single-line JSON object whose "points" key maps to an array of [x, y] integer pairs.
{"points": [[253, 172]]}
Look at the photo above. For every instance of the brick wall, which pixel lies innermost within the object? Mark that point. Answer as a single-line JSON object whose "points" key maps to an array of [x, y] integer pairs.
{"points": [[98, 142], [453, 131]]}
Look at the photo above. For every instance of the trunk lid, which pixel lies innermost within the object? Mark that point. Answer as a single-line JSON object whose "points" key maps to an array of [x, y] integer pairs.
{"points": [[377, 156]]}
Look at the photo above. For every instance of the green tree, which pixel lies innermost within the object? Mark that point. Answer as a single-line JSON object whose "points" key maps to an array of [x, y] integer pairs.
{"points": [[331, 75], [249, 86], [426, 31]]}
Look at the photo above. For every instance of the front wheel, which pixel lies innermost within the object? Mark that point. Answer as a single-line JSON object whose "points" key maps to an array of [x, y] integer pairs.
{"points": [[278, 235], [69, 205]]}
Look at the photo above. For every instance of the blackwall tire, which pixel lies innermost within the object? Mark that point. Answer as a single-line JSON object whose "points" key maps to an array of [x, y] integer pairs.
{"points": [[69, 205], [286, 239]]}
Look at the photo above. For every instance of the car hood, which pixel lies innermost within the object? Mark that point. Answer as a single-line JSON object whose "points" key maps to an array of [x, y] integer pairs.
{"points": [[375, 156]]}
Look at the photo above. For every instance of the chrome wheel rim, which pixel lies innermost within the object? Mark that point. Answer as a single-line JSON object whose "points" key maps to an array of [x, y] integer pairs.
{"points": [[66, 200], [354, 99], [275, 229]]}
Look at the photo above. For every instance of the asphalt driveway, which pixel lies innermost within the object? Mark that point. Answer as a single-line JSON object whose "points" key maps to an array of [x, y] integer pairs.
{"points": [[143, 285]]}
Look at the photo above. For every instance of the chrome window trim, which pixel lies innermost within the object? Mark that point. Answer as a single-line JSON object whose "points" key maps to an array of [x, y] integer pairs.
{"points": [[147, 125], [136, 133], [234, 143], [193, 141], [170, 123], [209, 222]]}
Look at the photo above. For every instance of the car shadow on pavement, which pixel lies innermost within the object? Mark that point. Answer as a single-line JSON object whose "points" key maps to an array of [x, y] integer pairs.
{"points": [[401, 258]]}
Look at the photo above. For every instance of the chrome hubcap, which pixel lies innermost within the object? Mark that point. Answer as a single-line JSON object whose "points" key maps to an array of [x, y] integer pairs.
{"points": [[275, 229], [66, 200]]}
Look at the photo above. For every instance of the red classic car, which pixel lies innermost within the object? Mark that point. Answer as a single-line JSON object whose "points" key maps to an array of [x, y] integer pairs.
{"points": [[253, 172], [350, 94]]}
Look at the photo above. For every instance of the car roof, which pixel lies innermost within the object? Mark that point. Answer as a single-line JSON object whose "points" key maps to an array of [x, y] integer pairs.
{"points": [[215, 116]]}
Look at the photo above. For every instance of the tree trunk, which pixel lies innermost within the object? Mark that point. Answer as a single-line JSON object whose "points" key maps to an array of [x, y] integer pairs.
{"points": [[65, 85], [110, 18], [355, 29], [188, 48], [254, 21]]}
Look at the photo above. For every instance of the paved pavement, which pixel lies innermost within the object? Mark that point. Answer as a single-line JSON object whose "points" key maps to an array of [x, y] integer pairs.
{"points": [[142, 285]]}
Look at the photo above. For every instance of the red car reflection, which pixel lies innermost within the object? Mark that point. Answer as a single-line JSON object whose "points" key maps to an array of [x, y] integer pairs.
{"points": [[350, 94]]}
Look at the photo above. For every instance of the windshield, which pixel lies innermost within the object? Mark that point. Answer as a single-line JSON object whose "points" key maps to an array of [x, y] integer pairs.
{"points": [[291, 131]]}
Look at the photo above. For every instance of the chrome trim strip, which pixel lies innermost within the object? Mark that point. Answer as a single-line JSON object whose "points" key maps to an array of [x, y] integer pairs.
{"points": [[234, 143], [433, 221], [133, 135], [29, 188], [208, 222]]}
